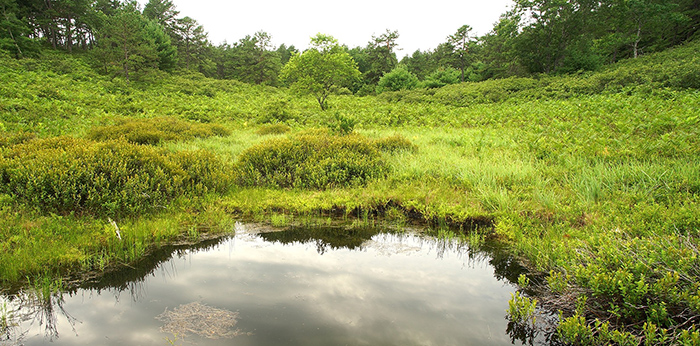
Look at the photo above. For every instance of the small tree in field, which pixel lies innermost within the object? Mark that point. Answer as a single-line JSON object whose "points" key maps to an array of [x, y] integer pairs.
{"points": [[398, 79], [321, 69]]}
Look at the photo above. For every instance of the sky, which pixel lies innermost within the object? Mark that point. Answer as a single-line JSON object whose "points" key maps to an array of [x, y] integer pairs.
{"points": [[421, 24]]}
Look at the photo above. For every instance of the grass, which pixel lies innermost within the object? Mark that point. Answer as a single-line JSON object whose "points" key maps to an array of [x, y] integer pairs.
{"points": [[592, 181]]}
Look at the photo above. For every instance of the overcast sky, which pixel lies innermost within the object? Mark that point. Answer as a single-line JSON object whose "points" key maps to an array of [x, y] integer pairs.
{"points": [[421, 24]]}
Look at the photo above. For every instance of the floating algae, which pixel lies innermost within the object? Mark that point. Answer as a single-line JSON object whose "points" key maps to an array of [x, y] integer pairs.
{"points": [[200, 319]]}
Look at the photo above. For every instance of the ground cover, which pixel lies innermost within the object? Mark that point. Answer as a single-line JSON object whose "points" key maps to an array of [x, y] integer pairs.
{"points": [[595, 190]]}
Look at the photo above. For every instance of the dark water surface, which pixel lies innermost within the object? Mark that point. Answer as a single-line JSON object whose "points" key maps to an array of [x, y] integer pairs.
{"points": [[299, 287]]}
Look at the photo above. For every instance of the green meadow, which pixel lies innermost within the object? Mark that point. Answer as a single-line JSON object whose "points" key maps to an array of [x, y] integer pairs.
{"points": [[592, 180]]}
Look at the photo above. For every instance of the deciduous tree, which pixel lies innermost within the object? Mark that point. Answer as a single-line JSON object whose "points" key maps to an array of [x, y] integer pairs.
{"points": [[321, 69], [397, 79]]}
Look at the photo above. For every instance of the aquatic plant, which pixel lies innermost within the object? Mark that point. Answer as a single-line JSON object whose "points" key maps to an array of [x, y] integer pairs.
{"points": [[522, 309], [200, 319]]}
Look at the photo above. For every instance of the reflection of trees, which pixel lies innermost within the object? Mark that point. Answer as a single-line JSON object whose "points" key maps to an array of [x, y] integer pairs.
{"points": [[44, 308], [130, 277], [325, 238], [544, 332], [40, 307]]}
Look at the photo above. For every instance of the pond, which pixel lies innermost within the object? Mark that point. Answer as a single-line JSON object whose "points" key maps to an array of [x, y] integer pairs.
{"points": [[318, 286]]}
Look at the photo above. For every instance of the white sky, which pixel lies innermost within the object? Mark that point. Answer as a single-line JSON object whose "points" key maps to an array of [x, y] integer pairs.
{"points": [[421, 24]]}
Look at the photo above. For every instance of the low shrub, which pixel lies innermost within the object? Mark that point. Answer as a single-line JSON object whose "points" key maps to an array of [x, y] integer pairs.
{"points": [[395, 143], [13, 138], [155, 130], [442, 77], [275, 111], [312, 159], [69, 175], [341, 124], [273, 129]]}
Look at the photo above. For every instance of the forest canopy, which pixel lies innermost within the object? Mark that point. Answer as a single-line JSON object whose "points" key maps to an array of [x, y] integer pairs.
{"points": [[532, 37]]}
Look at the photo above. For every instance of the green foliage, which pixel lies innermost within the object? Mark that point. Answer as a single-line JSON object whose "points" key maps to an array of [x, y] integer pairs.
{"points": [[125, 47], [315, 160], [398, 79], [395, 143], [156, 130], [273, 129], [277, 110], [251, 60], [166, 51], [8, 139], [379, 56], [67, 175], [441, 77], [14, 32], [342, 124], [522, 309], [593, 178], [675, 68], [191, 43], [460, 45], [322, 69]]}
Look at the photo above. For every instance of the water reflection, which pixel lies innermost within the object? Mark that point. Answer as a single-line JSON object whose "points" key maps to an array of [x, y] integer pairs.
{"points": [[38, 309], [297, 287], [325, 238]]}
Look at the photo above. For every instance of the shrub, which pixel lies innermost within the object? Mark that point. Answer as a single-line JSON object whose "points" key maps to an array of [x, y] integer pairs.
{"points": [[272, 129], [276, 111], [366, 90], [315, 159], [395, 143], [442, 77], [66, 175], [398, 79], [13, 138], [155, 130], [341, 124]]}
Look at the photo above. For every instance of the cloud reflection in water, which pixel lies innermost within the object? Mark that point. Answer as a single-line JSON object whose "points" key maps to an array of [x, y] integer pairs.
{"points": [[393, 289]]}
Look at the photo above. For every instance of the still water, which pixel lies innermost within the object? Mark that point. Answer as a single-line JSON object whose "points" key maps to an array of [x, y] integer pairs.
{"points": [[324, 286]]}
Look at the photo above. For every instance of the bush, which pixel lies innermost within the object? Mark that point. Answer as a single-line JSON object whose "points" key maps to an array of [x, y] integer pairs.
{"points": [[341, 124], [276, 111], [315, 159], [155, 130], [442, 77], [395, 143], [398, 79], [273, 129], [66, 175], [13, 138]]}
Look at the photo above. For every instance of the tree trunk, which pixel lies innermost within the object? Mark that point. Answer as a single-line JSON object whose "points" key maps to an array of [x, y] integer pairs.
{"points": [[52, 26], [69, 34], [636, 41], [12, 36], [126, 58]]}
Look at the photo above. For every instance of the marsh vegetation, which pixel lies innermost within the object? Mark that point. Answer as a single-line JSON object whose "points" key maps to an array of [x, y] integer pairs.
{"points": [[590, 180]]}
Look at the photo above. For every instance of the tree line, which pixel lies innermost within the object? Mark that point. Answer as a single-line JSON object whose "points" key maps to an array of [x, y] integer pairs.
{"points": [[534, 36]]}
